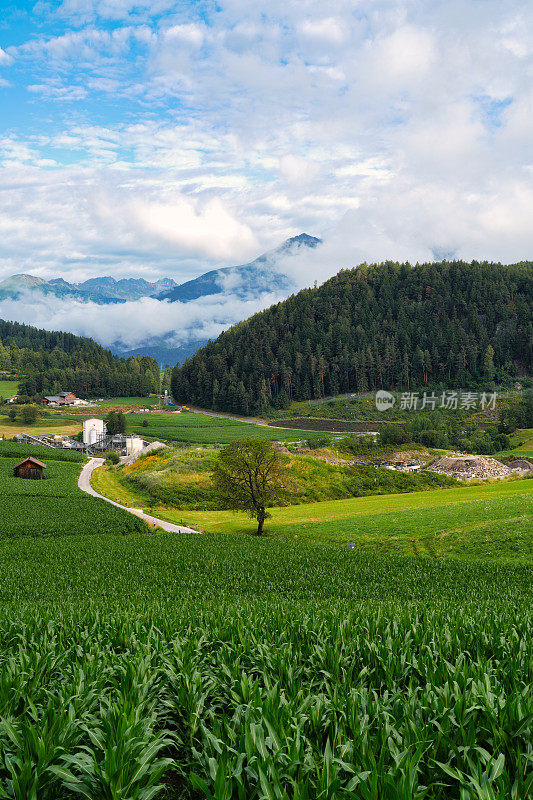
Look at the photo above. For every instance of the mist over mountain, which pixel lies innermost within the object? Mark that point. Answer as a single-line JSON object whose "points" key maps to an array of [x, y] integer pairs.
{"points": [[163, 319], [96, 290], [247, 280]]}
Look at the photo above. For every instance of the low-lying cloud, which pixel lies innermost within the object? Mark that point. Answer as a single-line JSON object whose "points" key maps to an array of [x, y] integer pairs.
{"points": [[133, 324]]}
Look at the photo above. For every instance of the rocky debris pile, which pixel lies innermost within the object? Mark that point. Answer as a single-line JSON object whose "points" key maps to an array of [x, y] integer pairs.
{"points": [[520, 465], [467, 467]]}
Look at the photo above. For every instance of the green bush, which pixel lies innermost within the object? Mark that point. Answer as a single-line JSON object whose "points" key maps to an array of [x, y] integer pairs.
{"points": [[318, 441], [393, 434], [28, 415]]}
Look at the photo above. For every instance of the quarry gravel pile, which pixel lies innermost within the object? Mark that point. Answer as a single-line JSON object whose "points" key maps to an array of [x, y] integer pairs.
{"points": [[465, 467], [521, 465]]}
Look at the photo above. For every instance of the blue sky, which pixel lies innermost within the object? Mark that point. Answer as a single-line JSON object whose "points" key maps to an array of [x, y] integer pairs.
{"points": [[164, 138]]}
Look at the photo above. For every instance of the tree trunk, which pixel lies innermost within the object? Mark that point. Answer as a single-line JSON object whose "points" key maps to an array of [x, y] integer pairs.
{"points": [[260, 522]]}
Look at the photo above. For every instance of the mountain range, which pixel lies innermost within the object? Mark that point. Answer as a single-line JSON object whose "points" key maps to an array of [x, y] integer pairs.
{"points": [[247, 280], [97, 290], [244, 282]]}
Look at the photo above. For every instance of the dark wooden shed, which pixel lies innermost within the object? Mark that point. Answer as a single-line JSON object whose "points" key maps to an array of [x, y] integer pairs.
{"points": [[30, 468]]}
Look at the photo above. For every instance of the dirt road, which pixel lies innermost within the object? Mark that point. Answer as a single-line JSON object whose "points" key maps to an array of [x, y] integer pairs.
{"points": [[84, 482]]}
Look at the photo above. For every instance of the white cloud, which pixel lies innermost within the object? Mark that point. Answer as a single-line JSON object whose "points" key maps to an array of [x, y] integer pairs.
{"points": [[328, 30], [5, 58], [395, 129], [129, 325]]}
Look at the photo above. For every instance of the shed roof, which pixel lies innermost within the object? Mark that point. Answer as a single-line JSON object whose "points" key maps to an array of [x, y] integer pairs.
{"points": [[33, 461]]}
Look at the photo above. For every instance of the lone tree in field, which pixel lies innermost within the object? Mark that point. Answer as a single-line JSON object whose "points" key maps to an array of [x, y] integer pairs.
{"points": [[115, 422], [249, 477]]}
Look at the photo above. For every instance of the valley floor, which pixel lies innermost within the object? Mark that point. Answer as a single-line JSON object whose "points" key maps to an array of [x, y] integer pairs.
{"points": [[490, 520], [171, 666]]}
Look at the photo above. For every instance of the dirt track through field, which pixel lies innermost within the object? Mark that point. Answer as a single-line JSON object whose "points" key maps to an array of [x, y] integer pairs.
{"points": [[84, 483]]}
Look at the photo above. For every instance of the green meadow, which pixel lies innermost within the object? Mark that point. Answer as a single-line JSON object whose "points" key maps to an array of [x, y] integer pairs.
{"points": [[488, 520], [191, 428], [142, 665], [7, 388]]}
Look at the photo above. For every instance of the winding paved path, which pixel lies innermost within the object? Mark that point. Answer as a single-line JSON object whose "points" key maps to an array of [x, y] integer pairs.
{"points": [[84, 482]]}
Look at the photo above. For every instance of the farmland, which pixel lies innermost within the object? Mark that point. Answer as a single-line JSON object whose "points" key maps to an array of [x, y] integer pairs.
{"points": [[54, 423], [191, 428], [7, 388], [237, 667], [53, 506], [151, 666]]}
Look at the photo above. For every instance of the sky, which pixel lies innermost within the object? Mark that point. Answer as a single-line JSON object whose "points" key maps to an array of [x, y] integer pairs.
{"points": [[160, 138]]}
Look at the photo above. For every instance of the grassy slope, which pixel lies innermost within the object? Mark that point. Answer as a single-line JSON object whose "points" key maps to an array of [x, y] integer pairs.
{"points": [[182, 478], [521, 443], [7, 388], [492, 520]]}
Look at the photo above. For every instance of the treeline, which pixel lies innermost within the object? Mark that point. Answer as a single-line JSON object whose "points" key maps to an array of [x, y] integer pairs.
{"points": [[391, 326], [53, 362]]}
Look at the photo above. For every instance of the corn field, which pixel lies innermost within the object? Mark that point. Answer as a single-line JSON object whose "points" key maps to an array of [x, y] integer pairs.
{"points": [[213, 667]]}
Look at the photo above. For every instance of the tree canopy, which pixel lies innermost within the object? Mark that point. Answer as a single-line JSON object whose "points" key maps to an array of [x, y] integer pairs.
{"points": [[392, 326], [52, 361], [249, 476]]}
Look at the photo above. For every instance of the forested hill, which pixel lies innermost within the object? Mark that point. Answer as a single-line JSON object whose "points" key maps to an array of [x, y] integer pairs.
{"points": [[52, 361], [389, 325]]}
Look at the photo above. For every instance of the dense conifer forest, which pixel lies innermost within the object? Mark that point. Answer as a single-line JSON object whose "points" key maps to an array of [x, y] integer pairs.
{"points": [[51, 361], [391, 326]]}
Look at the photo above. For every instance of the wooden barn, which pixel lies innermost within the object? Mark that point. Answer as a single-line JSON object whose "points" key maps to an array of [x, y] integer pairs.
{"points": [[30, 468]]}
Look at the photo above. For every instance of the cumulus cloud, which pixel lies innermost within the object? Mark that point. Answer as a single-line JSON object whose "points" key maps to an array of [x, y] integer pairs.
{"points": [[391, 129]]}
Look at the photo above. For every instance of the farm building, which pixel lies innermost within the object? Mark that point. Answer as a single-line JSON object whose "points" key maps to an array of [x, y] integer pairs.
{"points": [[61, 399], [29, 468], [64, 399]]}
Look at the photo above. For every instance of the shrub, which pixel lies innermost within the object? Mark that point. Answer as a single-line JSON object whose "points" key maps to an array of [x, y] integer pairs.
{"points": [[28, 415], [112, 457], [319, 441], [393, 434]]}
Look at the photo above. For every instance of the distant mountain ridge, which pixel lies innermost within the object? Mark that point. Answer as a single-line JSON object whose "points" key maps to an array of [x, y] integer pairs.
{"points": [[244, 281], [97, 290], [247, 280]]}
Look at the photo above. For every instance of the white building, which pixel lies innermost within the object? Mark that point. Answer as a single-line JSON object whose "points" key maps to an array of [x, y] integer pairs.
{"points": [[93, 429], [134, 445]]}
